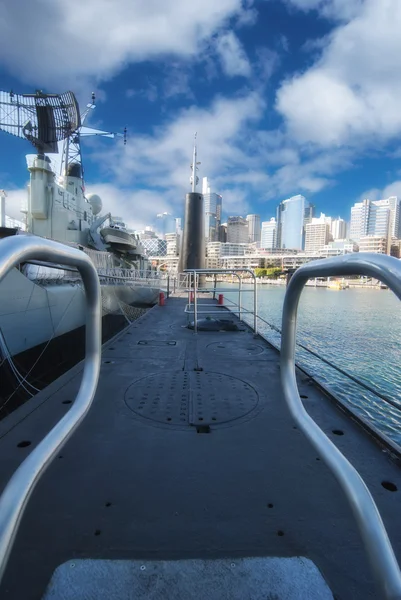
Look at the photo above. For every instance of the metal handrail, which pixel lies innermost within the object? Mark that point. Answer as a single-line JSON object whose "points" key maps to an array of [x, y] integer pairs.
{"points": [[373, 532], [13, 501], [235, 272]]}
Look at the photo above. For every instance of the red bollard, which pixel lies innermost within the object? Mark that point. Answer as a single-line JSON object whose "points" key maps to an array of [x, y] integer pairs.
{"points": [[221, 299], [191, 297], [161, 299]]}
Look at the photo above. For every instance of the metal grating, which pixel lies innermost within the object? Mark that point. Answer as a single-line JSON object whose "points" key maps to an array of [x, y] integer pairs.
{"points": [[189, 398]]}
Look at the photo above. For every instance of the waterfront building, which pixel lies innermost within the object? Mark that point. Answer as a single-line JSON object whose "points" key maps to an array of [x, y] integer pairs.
{"points": [[377, 218], [373, 243], [290, 222], [269, 234], [316, 234], [254, 231], [237, 230]]}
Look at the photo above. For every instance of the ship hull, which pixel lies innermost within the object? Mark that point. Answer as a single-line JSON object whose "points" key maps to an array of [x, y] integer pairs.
{"points": [[42, 330], [32, 314]]}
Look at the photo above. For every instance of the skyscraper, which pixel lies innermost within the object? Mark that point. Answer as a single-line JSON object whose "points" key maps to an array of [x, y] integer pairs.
{"points": [[380, 218], [254, 231], [165, 223], [338, 229], [290, 222], [212, 208], [237, 230], [269, 234]]}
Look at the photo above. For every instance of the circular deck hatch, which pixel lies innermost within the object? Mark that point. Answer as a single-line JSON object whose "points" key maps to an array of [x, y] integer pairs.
{"points": [[191, 398]]}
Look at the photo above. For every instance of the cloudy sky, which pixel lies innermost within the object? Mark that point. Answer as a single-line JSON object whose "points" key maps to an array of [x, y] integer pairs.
{"points": [[287, 97]]}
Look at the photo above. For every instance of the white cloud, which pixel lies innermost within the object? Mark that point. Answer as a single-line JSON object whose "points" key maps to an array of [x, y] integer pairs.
{"points": [[350, 95], [335, 9], [392, 189], [233, 58], [69, 42]]}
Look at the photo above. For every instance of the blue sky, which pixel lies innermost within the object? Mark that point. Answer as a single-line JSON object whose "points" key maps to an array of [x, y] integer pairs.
{"points": [[287, 97]]}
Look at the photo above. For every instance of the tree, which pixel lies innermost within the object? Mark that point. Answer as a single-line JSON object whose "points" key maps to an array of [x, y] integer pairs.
{"points": [[260, 273]]}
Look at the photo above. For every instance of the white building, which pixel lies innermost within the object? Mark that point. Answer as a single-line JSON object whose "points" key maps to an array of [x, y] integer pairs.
{"points": [[237, 230], [377, 218], [269, 234], [216, 251], [212, 206], [316, 234], [373, 243], [338, 229], [253, 228], [173, 244]]}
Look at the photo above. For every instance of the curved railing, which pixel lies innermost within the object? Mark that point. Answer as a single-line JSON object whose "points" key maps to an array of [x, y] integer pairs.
{"points": [[14, 250], [373, 532]]}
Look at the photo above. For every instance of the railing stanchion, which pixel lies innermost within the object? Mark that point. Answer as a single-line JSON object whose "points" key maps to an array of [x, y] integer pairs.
{"points": [[195, 305]]}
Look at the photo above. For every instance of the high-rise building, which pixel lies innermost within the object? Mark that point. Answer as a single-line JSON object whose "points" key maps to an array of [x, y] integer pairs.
{"points": [[338, 229], [172, 244], [223, 232], [290, 222], [212, 203], [269, 234], [316, 234], [378, 218], [309, 213], [237, 230], [253, 228], [165, 223]]}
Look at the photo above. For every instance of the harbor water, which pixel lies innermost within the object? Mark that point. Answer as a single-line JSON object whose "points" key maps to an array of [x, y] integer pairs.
{"points": [[358, 330]]}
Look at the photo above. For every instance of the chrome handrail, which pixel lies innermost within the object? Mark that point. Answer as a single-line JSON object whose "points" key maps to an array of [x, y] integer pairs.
{"points": [[378, 546], [13, 501]]}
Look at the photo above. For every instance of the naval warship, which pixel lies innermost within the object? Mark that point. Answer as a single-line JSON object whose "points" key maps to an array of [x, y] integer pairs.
{"points": [[42, 304]]}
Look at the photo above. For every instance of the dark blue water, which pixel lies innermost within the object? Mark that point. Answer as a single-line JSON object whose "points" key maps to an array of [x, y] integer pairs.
{"points": [[357, 330]]}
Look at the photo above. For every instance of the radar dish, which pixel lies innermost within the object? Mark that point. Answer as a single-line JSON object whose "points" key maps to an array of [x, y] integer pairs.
{"points": [[42, 119]]}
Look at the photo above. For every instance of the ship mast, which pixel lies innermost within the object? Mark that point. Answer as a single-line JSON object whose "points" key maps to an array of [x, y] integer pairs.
{"points": [[194, 179]]}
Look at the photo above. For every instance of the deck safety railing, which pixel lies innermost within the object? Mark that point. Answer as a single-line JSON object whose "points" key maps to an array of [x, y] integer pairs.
{"points": [[194, 307], [387, 270], [13, 500], [373, 532]]}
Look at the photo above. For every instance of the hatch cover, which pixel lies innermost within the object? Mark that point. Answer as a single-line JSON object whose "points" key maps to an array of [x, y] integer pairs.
{"points": [[188, 398], [235, 349]]}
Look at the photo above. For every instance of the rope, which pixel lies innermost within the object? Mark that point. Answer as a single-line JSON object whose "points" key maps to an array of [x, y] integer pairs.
{"points": [[21, 383]]}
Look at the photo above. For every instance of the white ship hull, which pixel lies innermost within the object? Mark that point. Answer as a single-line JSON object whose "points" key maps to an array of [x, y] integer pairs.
{"points": [[31, 314]]}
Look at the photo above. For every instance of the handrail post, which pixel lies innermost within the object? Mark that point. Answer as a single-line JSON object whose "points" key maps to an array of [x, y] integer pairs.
{"points": [[374, 535], [239, 296], [255, 304], [195, 305], [214, 289], [15, 496]]}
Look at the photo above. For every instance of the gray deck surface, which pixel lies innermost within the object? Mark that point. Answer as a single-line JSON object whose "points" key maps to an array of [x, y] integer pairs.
{"points": [[137, 484]]}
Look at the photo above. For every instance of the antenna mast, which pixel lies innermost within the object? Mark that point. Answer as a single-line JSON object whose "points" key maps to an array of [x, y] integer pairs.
{"points": [[194, 179]]}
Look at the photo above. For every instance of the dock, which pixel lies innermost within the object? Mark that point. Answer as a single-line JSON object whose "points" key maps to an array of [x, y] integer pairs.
{"points": [[189, 452]]}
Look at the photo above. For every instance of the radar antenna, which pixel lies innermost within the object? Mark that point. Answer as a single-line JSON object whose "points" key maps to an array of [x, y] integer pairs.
{"points": [[48, 121], [42, 119]]}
